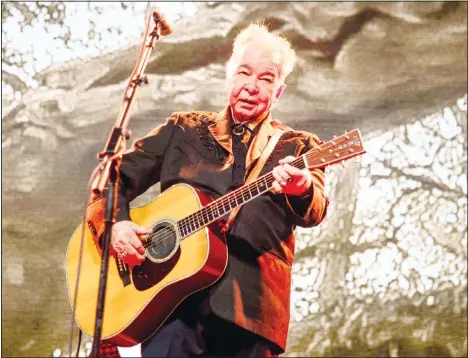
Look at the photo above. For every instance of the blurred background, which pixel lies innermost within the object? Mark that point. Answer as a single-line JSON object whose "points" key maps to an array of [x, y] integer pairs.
{"points": [[384, 275]]}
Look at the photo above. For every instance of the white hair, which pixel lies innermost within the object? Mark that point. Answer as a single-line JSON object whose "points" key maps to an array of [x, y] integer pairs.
{"points": [[283, 54]]}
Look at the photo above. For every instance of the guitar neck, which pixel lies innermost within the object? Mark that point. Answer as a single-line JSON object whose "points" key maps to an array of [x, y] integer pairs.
{"points": [[337, 150], [225, 204]]}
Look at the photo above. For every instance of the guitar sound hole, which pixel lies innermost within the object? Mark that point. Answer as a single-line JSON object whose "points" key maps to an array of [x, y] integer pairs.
{"points": [[163, 242]]}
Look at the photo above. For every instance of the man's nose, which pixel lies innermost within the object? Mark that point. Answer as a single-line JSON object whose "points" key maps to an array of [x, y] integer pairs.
{"points": [[252, 86]]}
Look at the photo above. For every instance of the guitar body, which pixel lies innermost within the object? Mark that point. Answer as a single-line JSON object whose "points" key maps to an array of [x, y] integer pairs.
{"points": [[136, 307]]}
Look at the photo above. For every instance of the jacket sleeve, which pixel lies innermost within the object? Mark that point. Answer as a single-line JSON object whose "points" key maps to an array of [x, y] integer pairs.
{"points": [[140, 169], [311, 208]]}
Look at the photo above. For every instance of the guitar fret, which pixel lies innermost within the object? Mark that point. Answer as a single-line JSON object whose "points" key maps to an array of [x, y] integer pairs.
{"points": [[196, 223], [189, 223], [226, 207], [241, 199], [257, 187], [260, 187], [188, 226], [192, 223], [210, 218], [213, 211], [201, 219], [232, 202], [265, 183], [245, 195], [183, 229], [210, 211]]}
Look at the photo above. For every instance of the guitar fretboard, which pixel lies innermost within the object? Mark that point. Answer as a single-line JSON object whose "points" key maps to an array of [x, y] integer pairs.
{"points": [[225, 204]]}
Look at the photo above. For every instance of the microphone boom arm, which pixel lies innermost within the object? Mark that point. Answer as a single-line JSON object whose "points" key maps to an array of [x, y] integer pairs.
{"points": [[119, 132]]}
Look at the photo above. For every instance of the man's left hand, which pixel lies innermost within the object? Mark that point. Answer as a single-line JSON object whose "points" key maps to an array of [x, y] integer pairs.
{"points": [[291, 180]]}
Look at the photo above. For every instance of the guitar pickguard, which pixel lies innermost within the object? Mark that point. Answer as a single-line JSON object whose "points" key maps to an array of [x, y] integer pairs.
{"points": [[150, 273]]}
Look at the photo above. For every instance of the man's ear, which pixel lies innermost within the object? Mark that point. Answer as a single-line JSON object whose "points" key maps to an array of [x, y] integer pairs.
{"points": [[279, 92]]}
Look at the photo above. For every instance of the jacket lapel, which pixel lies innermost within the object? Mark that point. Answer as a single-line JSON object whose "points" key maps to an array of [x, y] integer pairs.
{"points": [[260, 141], [221, 131]]}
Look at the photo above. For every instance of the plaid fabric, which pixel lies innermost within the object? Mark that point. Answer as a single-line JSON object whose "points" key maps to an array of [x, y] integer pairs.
{"points": [[108, 350]]}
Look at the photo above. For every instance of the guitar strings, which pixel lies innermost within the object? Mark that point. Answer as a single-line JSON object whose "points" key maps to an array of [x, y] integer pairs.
{"points": [[191, 220], [167, 233]]}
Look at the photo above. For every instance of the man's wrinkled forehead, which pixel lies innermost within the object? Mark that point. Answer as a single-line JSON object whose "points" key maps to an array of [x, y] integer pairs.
{"points": [[252, 55]]}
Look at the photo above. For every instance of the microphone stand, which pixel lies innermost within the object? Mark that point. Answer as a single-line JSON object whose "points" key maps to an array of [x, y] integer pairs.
{"points": [[106, 182]]}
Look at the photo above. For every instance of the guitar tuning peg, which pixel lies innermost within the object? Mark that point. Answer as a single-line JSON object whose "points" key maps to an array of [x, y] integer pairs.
{"points": [[357, 160], [342, 163], [335, 136]]}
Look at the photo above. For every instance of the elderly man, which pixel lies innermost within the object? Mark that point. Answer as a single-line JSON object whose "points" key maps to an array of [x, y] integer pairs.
{"points": [[245, 313]]}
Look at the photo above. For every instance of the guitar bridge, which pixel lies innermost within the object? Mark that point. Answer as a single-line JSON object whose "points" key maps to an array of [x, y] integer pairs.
{"points": [[124, 272]]}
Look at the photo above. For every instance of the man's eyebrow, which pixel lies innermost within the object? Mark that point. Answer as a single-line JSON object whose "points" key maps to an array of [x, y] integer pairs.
{"points": [[246, 66], [268, 73]]}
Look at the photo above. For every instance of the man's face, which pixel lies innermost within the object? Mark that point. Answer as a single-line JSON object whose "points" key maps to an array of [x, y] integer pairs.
{"points": [[254, 84]]}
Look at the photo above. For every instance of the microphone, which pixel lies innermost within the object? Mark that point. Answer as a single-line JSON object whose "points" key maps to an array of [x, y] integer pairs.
{"points": [[164, 27]]}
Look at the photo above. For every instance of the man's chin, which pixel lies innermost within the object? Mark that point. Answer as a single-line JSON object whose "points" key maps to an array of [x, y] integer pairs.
{"points": [[245, 115]]}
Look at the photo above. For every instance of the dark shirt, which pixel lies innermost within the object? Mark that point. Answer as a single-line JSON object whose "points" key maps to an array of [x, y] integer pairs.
{"points": [[240, 153]]}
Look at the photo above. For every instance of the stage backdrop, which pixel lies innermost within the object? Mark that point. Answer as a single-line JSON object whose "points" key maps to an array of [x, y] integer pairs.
{"points": [[385, 275]]}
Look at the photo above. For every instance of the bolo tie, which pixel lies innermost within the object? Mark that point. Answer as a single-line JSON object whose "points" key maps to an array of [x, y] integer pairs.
{"points": [[238, 130]]}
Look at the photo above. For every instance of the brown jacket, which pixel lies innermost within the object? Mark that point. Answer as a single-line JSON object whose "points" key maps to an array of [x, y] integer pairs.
{"points": [[196, 148]]}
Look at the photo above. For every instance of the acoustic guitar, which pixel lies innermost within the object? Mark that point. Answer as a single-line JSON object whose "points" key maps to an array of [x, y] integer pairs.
{"points": [[185, 253]]}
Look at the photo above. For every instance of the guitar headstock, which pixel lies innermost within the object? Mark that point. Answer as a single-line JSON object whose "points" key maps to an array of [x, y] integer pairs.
{"points": [[338, 149]]}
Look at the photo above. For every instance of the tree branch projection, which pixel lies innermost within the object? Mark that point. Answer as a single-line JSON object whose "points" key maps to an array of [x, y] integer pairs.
{"points": [[18, 67], [397, 269], [99, 31]]}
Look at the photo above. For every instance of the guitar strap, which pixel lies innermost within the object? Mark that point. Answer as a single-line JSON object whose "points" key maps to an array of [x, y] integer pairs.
{"points": [[256, 171]]}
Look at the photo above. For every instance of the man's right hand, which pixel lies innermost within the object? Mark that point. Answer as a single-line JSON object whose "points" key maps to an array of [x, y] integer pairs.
{"points": [[126, 242]]}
